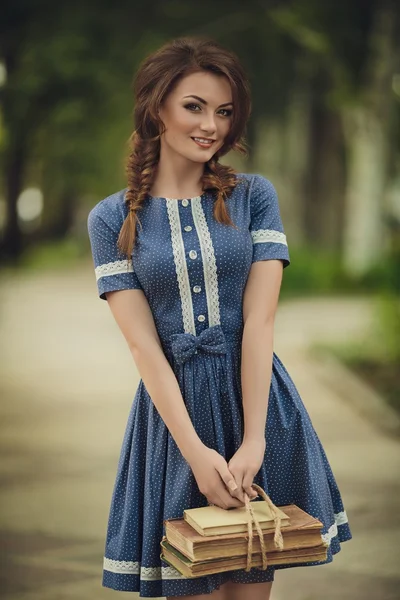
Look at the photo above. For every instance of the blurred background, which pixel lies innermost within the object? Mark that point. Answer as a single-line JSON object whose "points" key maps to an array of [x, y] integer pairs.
{"points": [[325, 129]]}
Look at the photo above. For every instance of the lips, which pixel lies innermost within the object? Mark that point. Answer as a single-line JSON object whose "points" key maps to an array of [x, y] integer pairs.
{"points": [[203, 144]]}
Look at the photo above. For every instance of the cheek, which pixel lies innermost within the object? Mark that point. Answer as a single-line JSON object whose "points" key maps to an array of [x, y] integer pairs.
{"points": [[223, 129], [226, 126], [179, 122]]}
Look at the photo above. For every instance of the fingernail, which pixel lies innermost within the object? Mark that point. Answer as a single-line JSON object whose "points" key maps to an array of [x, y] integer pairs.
{"points": [[232, 485]]}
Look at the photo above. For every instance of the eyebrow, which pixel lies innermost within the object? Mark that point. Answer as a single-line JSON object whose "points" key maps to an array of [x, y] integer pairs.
{"points": [[204, 102]]}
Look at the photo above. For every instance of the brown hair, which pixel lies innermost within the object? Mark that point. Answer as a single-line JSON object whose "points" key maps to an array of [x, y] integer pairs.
{"points": [[155, 78]]}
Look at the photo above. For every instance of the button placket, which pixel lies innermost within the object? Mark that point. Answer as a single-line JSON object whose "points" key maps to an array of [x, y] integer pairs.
{"points": [[193, 256]]}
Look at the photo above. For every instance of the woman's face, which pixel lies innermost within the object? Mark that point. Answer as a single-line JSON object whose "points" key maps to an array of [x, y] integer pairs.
{"points": [[197, 115]]}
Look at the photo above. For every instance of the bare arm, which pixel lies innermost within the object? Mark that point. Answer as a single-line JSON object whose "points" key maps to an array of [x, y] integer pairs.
{"points": [[132, 313], [260, 301]]}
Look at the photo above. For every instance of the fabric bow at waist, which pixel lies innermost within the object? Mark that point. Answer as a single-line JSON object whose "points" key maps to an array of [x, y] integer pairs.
{"points": [[185, 345]]}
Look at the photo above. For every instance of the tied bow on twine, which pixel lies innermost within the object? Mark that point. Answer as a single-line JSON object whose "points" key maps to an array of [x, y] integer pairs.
{"points": [[278, 540], [185, 345]]}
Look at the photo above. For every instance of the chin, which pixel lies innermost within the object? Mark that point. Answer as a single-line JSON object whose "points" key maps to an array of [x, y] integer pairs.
{"points": [[202, 160], [194, 157]]}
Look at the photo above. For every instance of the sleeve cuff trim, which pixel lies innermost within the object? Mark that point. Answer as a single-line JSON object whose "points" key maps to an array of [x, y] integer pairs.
{"points": [[114, 268], [268, 235]]}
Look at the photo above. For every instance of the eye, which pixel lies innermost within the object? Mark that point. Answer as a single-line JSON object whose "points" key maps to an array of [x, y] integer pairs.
{"points": [[228, 111], [192, 106]]}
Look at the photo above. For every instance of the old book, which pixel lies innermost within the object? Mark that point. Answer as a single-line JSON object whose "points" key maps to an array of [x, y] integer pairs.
{"points": [[304, 531], [213, 520], [189, 569]]}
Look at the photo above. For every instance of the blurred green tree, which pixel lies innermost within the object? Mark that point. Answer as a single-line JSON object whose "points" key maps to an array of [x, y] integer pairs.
{"points": [[314, 68], [350, 55]]}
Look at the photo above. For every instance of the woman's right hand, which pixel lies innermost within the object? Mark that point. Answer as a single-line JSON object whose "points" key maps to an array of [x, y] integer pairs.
{"points": [[213, 477]]}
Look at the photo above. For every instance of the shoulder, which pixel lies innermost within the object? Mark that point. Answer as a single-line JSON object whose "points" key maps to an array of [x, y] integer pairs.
{"points": [[258, 188], [256, 182], [110, 211]]}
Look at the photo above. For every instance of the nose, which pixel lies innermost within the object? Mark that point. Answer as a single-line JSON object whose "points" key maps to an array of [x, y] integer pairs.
{"points": [[208, 124]]}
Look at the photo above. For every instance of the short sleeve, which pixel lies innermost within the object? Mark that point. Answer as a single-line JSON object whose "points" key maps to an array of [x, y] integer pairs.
{"points": [[266, 228], [113, 270]]}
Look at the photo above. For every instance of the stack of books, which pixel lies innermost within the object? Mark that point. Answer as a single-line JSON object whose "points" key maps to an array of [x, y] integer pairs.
{"points": [[212, 540]]}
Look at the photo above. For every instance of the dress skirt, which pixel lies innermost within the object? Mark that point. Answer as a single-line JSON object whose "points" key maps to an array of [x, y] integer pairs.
{"points": [[154, 482]]}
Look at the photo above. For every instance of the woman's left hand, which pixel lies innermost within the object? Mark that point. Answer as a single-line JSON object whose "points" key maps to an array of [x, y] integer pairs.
{"points": [[244, 466]]}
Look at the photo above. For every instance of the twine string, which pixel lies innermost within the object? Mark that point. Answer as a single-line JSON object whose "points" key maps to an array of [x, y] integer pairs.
{"points": [[278, 539]]}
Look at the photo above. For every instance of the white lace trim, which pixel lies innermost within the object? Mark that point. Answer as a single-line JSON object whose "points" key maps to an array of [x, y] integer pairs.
{"points": [[130, 567], [340, 519], [268, 235], [114, 268], [181, 266], [209, 262]]}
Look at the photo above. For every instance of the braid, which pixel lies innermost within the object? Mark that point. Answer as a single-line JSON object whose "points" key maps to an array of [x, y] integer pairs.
{"points": [[221, 179], [140, 168]]}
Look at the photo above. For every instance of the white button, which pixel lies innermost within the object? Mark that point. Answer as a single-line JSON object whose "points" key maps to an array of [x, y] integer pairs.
{"points": [[197, 289], [188, 228], [201, 318], [185, 202], [193, 254]]}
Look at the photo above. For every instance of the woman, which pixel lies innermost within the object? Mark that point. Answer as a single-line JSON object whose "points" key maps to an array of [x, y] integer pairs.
{"points": [[190, 259]]}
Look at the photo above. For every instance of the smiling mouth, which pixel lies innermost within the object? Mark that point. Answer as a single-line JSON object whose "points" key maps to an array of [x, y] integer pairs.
{"points": [[205, 142]]}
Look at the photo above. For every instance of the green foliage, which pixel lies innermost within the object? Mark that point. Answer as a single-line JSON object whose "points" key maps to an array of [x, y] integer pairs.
{"points": [[317, 271], [48, 256], [388, 327], [312, 272]]}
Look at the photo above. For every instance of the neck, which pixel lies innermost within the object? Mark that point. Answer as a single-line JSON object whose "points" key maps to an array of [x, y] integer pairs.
{"points": [[177, 177]]}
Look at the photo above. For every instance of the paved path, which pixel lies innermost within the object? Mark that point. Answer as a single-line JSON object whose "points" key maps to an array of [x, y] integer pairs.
{"points": [[62, 416]]}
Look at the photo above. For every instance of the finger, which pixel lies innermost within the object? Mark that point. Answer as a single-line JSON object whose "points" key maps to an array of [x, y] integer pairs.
{"points": [[235, 492], [239, 491], [247, 486], [228, 498], [223, 499], [227, 477]]}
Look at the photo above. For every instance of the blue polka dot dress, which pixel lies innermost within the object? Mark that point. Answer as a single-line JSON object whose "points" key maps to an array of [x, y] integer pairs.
{"points": [[193, 272]]}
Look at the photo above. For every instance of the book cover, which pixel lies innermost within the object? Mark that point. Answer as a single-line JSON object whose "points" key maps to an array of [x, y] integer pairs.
{"points": [[181, 563], [213, 520]]}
